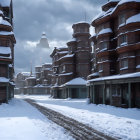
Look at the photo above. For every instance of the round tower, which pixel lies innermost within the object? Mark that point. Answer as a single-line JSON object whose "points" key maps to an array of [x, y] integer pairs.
{"points": [[83, 48]]}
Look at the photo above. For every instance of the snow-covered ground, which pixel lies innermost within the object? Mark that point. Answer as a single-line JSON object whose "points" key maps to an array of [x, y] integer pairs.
{"points": [[123, 123], [21, 121]]}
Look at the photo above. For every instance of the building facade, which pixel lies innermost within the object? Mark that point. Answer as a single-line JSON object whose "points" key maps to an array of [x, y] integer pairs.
{"points": [[7, 41], [115, 77], [71, 62], [40, 83]]}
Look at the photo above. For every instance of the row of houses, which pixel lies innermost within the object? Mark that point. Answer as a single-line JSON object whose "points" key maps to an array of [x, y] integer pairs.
{"points": [[105, 67], [38, 83], [111, 73], [7, 41]]}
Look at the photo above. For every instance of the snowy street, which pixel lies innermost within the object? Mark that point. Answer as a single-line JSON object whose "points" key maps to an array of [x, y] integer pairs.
{"points": [[21, 121], [116, 122]]}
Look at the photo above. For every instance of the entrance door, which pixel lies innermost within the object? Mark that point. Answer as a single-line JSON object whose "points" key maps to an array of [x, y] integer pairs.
{"points": [[2, 94]]}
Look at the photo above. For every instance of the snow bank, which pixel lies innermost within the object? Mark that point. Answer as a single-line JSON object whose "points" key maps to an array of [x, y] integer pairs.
{"points": [[135, 18], [21, 121], [119, 122]]}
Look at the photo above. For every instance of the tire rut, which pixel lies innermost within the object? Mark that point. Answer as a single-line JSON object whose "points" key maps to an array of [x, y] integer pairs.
{"points": [[78, 130]]}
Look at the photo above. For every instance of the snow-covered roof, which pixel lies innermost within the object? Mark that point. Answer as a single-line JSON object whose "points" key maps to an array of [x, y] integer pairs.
{"points": [[4, 80], [63, 52], [5, 50], [115, 77], [81, 22], [67, 56], [76, 81], [29, 78], [105, 31], [94, 74], [4, 22], [38, 85], [123, 2], [65, 74], [103, 14], [6, 33], [26, 73], [5, 3], [111, 10], [135, 18], [114, 0]]}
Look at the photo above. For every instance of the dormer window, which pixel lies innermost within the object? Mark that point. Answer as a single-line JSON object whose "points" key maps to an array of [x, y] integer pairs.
{"points": [[121, 19]]}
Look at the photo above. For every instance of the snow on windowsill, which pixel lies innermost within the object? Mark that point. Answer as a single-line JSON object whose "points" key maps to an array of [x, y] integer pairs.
{"points": [[5, 50], [4, 80], [138, 67], [105, 31], [100, 71], [133, 19], [124, 68]]}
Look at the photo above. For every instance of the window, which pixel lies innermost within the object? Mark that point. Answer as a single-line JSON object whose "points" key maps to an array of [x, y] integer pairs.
{"points": [[64, 68], [123, 39], [121, 19], [101, 68], [3, 70], [103, 46], [124, 63]]}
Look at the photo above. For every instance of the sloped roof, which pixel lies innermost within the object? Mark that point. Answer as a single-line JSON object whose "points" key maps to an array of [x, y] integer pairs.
{"points": [[76, 81]]}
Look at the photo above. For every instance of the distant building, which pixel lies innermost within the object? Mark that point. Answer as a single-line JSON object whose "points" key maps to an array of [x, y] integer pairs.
{"points": [[71, 65], [7, 41], [115, 78], [34, 84], [43, 42]]}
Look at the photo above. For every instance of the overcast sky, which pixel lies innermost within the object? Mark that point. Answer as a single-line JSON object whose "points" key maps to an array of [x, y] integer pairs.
{"points": [[55, 17]]}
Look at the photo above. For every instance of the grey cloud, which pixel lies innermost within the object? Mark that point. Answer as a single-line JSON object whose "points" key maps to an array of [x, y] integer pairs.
{"points": [[52, 16]]}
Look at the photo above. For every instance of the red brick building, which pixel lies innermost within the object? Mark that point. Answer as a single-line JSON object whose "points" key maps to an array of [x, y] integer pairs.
{"points": [[7, 41], [72, 62], [116, 59]]}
